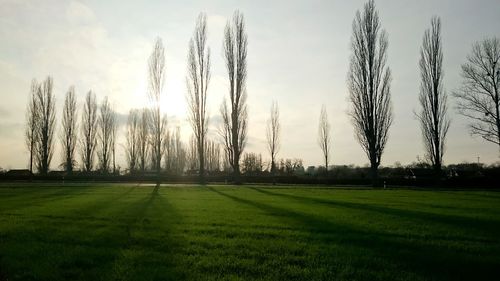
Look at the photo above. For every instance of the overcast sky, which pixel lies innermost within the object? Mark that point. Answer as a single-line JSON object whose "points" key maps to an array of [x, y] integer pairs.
{"points": [[297, 55]]}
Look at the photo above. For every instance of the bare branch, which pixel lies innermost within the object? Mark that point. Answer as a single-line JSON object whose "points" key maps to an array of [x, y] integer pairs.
{"points": [[478, 97]]}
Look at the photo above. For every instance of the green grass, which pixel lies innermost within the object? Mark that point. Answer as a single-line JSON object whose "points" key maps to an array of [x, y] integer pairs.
{"points": [[130, 232]]}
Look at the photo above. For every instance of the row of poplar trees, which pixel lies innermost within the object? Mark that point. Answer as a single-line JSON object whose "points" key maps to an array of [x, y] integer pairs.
{"points": [[96, 135], [368, 83]]}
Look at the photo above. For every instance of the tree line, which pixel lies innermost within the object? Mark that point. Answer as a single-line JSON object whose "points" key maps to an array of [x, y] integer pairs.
{"points": [[152, 147]]}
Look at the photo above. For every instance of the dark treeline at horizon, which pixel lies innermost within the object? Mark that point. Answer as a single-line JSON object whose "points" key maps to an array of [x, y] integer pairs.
{"points": [[88, 131], [290, 171]]}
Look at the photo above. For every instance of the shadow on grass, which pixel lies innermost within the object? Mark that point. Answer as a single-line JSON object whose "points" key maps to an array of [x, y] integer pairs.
{"points": [[406, 255], [131, 241], [480, 225], [150, 251], [36, 197]]}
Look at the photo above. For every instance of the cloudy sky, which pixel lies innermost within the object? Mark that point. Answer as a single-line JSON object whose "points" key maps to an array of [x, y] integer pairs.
{"points": [[297, 55]]}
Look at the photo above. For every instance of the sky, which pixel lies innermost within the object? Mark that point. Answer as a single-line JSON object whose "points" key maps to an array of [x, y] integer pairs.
{"points": [[298, 56]]}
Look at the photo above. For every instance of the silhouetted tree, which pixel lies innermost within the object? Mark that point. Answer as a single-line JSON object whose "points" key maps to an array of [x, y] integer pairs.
{"points": [[212, 156], [31, 122], [175, 152], [46, 116], [235, 118], [143, 140], [132, 142], [106, 124], [197, 83], [88, 140], [433, 117], [324, 137], [192, 155], [273, 134], [252, 163], [157, 122], [69, 130], [291, 166], [114, 129], [478, 98], [369, 85]]}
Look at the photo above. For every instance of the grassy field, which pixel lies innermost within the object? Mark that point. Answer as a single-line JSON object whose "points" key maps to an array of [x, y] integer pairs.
{"points": [[133, 232]]}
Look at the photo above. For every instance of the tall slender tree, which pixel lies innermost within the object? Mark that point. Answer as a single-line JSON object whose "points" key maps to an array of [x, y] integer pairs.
{"points": [[143, 140], [324, 137], [273, 131], [479, 96], [132, 140], [31, 122], [369, 83], [213, 156], [69, 130], [158, 123], [197, 83], [46, 117], [434, 121], [114, 130], [105, 135], [88, 140], [235, 116]]}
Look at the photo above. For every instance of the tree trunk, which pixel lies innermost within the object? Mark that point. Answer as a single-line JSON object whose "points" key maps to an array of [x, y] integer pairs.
{"points": [[202, 163], [374, 174]]}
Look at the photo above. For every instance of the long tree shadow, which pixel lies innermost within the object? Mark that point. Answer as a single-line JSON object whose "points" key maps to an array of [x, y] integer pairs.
{"points": [[480, 225], [151, 248], [86, 243], [37, 197], [417, 257]]}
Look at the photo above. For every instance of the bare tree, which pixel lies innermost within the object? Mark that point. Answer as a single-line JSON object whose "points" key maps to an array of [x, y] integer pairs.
{"points": [[197, 83], [273, 134], [324, 137], [31, 122], [106, 121], [192, 155], [46, 117], [213, 156], [114, 129], [252, 163], [478, 98], [369, 83], [132, 142], [235, 117], [143, 140], [175, 153], [88, 140], [158, 123], [69, 130], [433, 117]]}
